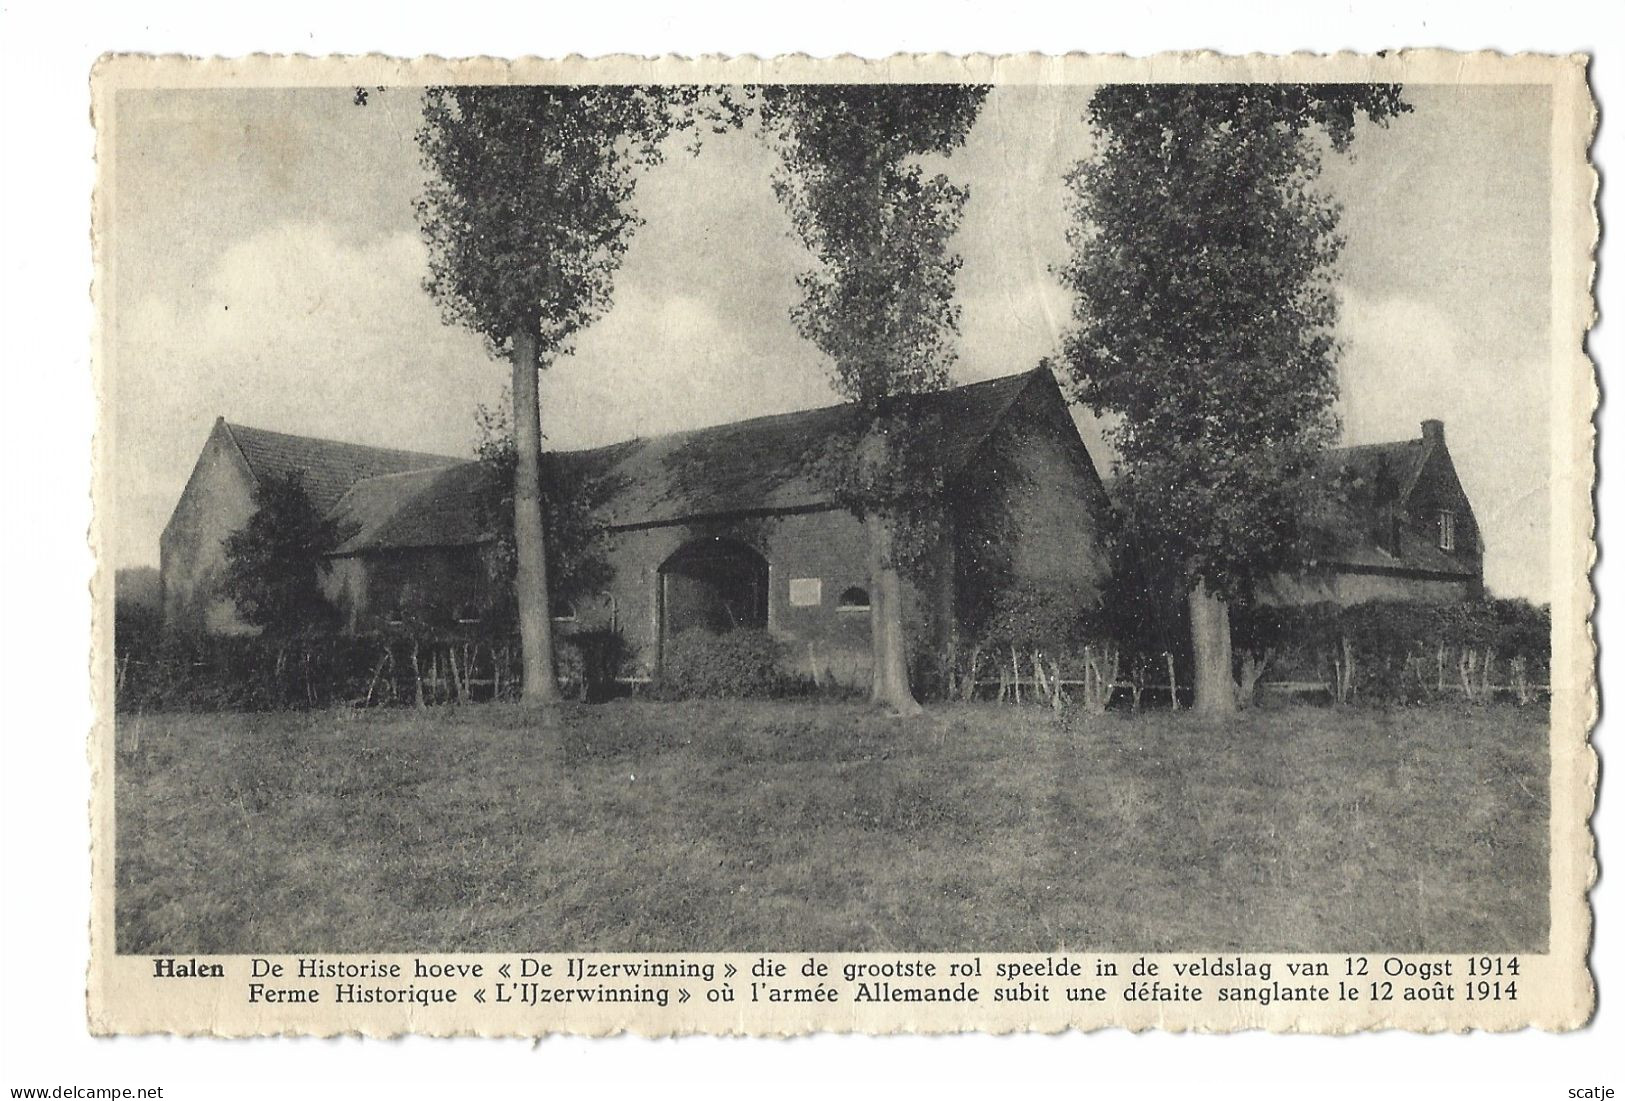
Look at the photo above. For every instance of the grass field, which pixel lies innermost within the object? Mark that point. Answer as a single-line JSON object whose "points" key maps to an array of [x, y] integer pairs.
{"points": [[778, 826]]}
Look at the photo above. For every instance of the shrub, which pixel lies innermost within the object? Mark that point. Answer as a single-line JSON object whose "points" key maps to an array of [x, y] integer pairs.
{"points": [[1053, 618], [740, 663], [1061, 627], [1388, 651], [185, 672], [241, 673], [137, 628], [275, 563], [593, 660]]}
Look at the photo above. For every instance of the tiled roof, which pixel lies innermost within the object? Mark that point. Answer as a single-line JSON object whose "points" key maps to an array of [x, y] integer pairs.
{"points": [[1343, 519], [1398, 460], [329, 467], [421, 508], [1356, 480], [762, 464], [773, 462]]}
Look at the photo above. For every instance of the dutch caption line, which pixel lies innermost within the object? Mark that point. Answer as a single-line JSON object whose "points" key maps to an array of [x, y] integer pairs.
{"points": [[530, 981]]}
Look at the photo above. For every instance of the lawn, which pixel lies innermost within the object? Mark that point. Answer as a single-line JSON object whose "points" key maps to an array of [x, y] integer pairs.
{"points": [[825, 826]]}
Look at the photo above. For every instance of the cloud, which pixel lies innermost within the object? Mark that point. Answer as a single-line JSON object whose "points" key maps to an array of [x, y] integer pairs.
{"points": [[1008, 325], [661, 361], [297, 329], [1405, 360]]}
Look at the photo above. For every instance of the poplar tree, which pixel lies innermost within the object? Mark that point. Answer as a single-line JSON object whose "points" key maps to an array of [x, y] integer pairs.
{"points": [[1202, 269], [879, 302], [527, 213]]}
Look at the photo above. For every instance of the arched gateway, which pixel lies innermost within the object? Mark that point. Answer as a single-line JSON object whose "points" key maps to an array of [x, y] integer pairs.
{"points": [[717, 584]]}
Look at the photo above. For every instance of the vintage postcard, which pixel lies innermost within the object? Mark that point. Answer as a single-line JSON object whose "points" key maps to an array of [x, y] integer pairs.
{"points": [[780, 546]]}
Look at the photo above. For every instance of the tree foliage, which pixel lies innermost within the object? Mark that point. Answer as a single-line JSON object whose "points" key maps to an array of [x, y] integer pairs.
{"points": [[881, 302], [275, 562], [1202, 269], [527, 209], [576, 541], [880, 299]]}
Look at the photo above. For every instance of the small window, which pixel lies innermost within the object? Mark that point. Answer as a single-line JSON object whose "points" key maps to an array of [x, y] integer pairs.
{"points": [[466, 614], [1447, 531], [854, 600], [564, 611]]}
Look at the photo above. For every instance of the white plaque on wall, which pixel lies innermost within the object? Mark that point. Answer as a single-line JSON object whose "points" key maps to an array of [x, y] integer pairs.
{"points": [[806, 592]]}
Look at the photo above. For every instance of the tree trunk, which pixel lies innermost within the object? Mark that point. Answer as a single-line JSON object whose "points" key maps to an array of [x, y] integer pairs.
{"points": [[967, 691], [1252, 670], [889, 681], [1215, 691], [540, 685]]}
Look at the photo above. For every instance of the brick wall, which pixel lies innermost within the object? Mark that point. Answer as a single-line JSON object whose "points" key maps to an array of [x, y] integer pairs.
{"points": [[1031, 499], [824, 547], [1053, 494], [1439, 489], [1030, 511]]}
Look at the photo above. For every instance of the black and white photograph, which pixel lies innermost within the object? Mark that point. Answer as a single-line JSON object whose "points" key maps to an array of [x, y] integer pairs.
{"points": [[980, 514]]}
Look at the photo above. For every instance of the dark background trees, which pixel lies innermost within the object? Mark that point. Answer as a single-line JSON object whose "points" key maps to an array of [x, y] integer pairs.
{"points": [[1202, 274]]}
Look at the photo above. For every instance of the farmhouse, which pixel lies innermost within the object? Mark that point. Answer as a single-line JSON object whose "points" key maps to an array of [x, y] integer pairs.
{"points": [[730, 526], [1394, 524]]}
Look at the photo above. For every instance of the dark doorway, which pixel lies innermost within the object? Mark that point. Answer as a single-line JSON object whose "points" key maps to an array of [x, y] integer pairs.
{"points": [[715, 584]]}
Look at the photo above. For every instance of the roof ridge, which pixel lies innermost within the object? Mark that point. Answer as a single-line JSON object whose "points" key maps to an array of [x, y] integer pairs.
{"points": [[757, 464], [237, 445], [233, 427], [1373, 444], [767, 417], [418, 473], [1015, 396]]}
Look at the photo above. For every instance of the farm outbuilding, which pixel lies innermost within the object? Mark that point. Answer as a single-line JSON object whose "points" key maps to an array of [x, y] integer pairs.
{"points": [[715, 528], [736, 526], [219, 499], [1394, 524]]}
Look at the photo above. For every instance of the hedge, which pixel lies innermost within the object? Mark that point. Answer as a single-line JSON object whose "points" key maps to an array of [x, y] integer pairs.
{"points": [[257, 673], [740, 664], [1381, 652], [1403, 651]]}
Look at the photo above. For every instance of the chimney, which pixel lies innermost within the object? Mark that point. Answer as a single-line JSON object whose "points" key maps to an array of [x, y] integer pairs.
{"points": [[1433, 431]]}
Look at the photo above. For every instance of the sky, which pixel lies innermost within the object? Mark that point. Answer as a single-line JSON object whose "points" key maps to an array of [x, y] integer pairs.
{"points": [[267, 268]]}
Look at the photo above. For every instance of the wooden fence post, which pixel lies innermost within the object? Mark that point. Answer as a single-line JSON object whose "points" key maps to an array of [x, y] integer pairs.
{"points": [[417, 676]]}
